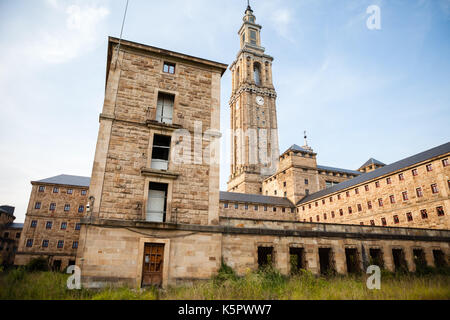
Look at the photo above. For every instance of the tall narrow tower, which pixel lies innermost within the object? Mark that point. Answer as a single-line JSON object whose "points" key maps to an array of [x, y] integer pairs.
{"points": [[254, 127]]}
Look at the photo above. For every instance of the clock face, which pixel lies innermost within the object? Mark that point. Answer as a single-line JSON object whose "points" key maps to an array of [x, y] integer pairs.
{"points": [[260, 100]]}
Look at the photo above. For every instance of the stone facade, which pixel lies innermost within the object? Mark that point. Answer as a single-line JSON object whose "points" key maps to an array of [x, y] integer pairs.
{"points": [[52, 223], [9, 235], [394, 199]]}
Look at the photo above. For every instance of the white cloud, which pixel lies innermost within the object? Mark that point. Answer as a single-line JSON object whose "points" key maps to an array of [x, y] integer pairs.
{"points": [[282, 19]]}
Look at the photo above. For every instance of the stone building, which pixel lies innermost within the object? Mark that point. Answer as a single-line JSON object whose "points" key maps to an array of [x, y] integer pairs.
{"points": [[9, 235], [156, 214], [52, 222]]}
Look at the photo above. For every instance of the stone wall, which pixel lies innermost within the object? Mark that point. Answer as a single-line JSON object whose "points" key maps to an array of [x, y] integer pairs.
{"points": [[328, 208]]}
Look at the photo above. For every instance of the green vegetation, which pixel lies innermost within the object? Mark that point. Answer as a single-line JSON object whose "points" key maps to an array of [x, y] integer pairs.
{"points": [[263, 284]]}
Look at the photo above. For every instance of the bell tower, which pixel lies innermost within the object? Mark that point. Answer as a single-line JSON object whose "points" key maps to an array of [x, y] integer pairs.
{"points": [[254, 137]]}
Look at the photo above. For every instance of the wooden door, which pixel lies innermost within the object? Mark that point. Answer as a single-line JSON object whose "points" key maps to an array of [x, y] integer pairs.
{"points": [[152, 272]]}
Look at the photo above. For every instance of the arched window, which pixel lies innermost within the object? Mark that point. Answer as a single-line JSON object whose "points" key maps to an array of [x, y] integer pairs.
{"points": [[257, 73]]}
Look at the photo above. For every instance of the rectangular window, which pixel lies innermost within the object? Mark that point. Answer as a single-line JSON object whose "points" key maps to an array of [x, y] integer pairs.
{"points": [[60, 244], [380, 202], [160, 152], [275, 192], [392, 198], [255, 208], [377, 184], [285, 194], [323, 201], [445, 162], [331, 199], [83, 192], [169, 67], [409, 216], [48, 225], [253, 37], [80, 208], [41, 188], [283, 210], [69, 191], [265, 208], [6, 235], [55, 189], [164, 108], [350, 210], [75, 245], [67, 207], [274, 209], [63, 225], [52, 206], [369, 204], [316, 204], [366, 187], [303, 208], [306, 181], [157, 202], [396, 220], [388, 180], [317, 218], [347, 194], [284, 184], [405, 195], [246, 206], [341, 212], [44, 243], [332, 214], [33, 224], [440, 211], [78, 226], [225, 205], [424, 214], [310, 219], [339, 196], [372, 222], [429, 167], [324, 216], [17, 235], [359, 207], [414, 172], [383, 222], [419, 192], [309, 206], [434, 188], [37, 205], [307, 191], [29, 243], [236, 205], [401, 177], [356, 191]]}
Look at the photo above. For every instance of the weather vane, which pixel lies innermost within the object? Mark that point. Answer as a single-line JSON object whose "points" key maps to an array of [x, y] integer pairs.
{"points": [[306, 142]]}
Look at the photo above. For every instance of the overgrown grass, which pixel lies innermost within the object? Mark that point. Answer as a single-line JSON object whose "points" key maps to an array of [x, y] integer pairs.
{"points": [[264, 284]]}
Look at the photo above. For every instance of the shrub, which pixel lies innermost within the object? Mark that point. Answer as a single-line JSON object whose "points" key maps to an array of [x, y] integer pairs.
{"points": [[37, 264]]}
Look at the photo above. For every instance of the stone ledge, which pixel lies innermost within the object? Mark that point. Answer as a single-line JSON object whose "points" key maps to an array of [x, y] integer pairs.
{"points": [[419, 235], [148, 172]]}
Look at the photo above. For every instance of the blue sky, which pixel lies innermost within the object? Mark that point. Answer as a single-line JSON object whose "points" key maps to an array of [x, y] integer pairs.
{"points": [[359, 93]]}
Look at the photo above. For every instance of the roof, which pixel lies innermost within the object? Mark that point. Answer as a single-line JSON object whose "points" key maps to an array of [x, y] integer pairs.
{"points": [[404, 163], [68, 180], [372, 161], [7, 209], [255, 198], [15, 226], [295, 147], [338, 170]]}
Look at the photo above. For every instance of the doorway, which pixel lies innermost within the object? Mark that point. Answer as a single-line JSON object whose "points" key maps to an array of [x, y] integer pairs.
{"points": [[152, 270]]}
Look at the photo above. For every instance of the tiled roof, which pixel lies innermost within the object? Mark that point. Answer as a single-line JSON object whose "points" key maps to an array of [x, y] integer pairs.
{"points": [[372, 161], [7, 209], [407, 162], [338, 170], [254, 198], [298, 148], [15, 226], [67, 180]]}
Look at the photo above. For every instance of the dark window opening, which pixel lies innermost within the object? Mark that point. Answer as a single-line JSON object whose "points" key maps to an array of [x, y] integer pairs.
{"points": [[265, 256], [297, 259], [399, 260], [160, 152], [419, 259], [169, 67], [56, 265], [439, 259], [164, 108], [376, 257], [353, 261], [326, 261]]}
